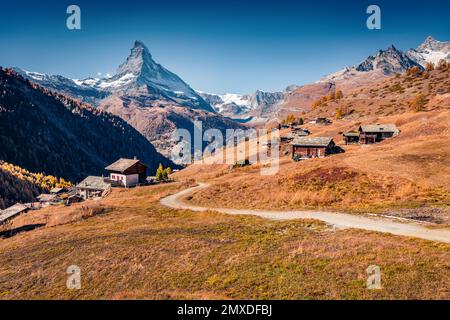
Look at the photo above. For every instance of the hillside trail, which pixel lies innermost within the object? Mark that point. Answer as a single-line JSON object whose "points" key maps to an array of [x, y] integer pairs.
{"points": [[336, 219]]}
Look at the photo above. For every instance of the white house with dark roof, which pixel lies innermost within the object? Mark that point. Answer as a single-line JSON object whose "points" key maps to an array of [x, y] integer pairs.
{"points": [[127, 172]]}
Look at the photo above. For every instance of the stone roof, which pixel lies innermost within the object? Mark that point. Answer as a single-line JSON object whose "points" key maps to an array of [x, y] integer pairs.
{"points": [[47, 197], [312, 141], [379, 128], [56, 190], [351, 134], [94, 183], [12, 211], [122, 165]]}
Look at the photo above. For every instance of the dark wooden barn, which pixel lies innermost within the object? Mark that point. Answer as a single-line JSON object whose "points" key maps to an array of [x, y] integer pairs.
{"points": [[351, 137], [373, 133], [312, 147]]}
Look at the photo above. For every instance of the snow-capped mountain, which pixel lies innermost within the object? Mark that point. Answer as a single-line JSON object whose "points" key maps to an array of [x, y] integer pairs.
{"points": [[392, 60], [388, 61], [138, 75], [243, 106], [228, 104], [152, 99], [431, 51], [75, 88]]}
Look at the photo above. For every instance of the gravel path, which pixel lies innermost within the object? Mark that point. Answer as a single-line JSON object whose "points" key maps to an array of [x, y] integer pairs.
{"points": [[339, 220]]}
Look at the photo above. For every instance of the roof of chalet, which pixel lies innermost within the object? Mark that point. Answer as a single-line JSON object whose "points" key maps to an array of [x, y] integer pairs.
{"points": [[293, 135], [47, 197], [312, 141], [122, 165], [351, 134], [12, 211], [56, 190], [94, 183], [379, 128]]}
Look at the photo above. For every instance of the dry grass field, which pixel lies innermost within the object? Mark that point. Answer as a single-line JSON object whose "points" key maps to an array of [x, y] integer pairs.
{"points": [[411, 171], [130, 247]]}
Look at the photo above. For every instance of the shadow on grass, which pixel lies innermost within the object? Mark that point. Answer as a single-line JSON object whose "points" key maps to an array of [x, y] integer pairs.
{"points": [[13, 232]]}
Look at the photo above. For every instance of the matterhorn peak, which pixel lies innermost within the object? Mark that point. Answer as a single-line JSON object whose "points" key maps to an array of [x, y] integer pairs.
{"points": [[140, 48], [139, 58], [430, 39], [139, 43]]}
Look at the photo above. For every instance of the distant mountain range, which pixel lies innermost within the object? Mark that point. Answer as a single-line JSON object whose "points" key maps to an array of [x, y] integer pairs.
{"points": [[243, 106], [392, 60], [44, 131], [384, 63], [138, 75], [145, 94], [156, 101]]}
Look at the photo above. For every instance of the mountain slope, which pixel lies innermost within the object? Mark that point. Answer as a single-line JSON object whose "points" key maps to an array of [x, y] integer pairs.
{"points": [[43, 131], [389, 61], [373, 70], [151, 98], [379, 66]]}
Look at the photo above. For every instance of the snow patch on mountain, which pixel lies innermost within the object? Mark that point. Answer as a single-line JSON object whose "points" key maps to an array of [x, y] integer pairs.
{"points": [[139, 74], [431, 51]]}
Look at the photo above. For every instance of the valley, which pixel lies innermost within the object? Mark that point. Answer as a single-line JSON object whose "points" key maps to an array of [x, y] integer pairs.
{"points": [[128, 246], [215, 230]]}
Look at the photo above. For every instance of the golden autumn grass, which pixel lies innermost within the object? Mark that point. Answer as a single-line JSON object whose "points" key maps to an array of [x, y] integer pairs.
{"points": [[136, 249], [409, 171]]}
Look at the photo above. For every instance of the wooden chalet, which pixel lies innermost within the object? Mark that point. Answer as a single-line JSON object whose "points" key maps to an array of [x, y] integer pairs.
{"points": [[351, 137], [312, 147], [373, 133], [93, 187], [46, 198], [127, 172]]}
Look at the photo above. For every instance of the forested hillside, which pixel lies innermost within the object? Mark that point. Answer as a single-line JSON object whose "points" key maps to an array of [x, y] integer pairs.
{"points": [[20, 185], [47, 132]]}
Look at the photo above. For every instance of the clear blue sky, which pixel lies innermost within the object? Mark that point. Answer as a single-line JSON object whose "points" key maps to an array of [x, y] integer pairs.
{"points": [[215, 46]]}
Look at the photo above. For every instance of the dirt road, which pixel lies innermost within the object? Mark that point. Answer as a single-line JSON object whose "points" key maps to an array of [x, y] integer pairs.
{"points": [[339, 220]]}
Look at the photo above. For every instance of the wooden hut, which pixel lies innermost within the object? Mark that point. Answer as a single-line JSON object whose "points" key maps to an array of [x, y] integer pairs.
{"points": [[373, 133], [312, 147]]}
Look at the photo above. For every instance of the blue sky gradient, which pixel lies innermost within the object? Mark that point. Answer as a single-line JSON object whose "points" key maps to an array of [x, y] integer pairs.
{"points": [[215, 46]]}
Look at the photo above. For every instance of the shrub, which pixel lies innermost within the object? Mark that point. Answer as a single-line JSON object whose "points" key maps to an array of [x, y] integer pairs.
{"points": [[419, 102]]}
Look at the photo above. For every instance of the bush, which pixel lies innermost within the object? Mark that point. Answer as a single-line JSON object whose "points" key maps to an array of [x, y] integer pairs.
{"points": [[163, 174], [419, 102]]}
